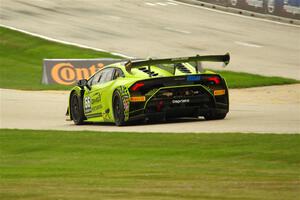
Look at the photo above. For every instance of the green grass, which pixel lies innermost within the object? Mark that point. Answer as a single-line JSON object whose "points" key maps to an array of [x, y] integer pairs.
{"points": [[246, 80], [48, 165], [21, 58]]}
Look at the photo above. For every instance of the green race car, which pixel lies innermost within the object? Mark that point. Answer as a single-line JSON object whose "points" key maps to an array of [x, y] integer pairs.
{"points": [[154, 89]]}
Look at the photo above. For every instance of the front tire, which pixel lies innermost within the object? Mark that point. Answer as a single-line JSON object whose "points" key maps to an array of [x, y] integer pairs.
{"points": [[76, 108], [118, 109]]}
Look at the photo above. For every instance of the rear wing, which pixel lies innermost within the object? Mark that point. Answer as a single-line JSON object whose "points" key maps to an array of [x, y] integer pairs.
{"points": [[209, 58]]}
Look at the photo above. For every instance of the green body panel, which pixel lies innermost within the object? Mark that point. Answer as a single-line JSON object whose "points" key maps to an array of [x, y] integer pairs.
{"points": [[99, 102]]}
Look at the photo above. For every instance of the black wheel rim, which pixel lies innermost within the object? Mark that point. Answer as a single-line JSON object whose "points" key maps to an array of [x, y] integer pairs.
{"points": [[75, 108], [117, 110]]}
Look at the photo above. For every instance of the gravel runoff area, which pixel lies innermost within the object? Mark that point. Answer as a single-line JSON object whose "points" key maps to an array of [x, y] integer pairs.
{"points": [[273, 109]]}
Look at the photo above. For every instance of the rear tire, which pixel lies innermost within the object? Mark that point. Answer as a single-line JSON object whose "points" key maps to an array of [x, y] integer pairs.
{"points": [[118, 109], [76, 108], [215, 116]]}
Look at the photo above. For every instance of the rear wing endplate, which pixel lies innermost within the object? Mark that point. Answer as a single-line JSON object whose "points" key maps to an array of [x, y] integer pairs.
{"points": [[208, 58]]}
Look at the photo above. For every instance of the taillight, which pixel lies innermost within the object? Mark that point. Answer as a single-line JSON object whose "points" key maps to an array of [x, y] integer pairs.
{"points": [[137, 86], [215, 79]]}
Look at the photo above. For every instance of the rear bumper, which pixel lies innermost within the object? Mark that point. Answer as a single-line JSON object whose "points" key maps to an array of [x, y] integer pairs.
{"points": [[202, 104], [182, 97], [181, 101], [177, 113]]}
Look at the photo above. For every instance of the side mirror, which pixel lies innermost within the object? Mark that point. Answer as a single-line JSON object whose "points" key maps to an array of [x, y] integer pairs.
{"points": [[83, 82]]}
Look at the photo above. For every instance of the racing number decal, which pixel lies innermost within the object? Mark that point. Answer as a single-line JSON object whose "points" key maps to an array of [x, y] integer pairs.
{"points": [[87, 104]]}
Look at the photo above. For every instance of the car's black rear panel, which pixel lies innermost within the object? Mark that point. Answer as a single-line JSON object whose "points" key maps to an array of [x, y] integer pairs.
{"points": [[180, 97], [186, 101]]}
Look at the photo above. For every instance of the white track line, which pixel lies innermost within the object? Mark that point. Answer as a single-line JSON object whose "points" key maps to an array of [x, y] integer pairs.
{"points": [[234, 14], [161, 4], [63, 42], [172, 3], [248, 44], [150, 4], [177, 30]]}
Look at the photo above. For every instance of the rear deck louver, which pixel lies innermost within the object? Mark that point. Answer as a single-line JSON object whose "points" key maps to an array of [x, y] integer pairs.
{"points": [[145, 70], [183, 69]]}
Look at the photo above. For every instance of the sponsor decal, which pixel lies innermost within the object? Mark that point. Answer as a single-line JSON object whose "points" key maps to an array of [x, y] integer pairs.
{"points": [[125, 98], [193, 78], [94, 115], [126, 104], [106, 116], [179, 78], [66, 74], [98, 107], [178, 101], [167, 94], [255, 3], [96, 97], [292, 7], [69, 71], [233, 2], [271, 6], [283, 8]]}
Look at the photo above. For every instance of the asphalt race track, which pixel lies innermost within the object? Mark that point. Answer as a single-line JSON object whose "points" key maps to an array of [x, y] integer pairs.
{"points": [[162, 29], [272, 109]]}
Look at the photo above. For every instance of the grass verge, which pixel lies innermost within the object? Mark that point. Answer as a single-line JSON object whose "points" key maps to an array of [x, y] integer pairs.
{"points": [[21, 58], [90, 165], [246, 80]]}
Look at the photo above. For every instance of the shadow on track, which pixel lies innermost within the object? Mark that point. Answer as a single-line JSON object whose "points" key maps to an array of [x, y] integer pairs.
{"points": [[145, 123]]}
